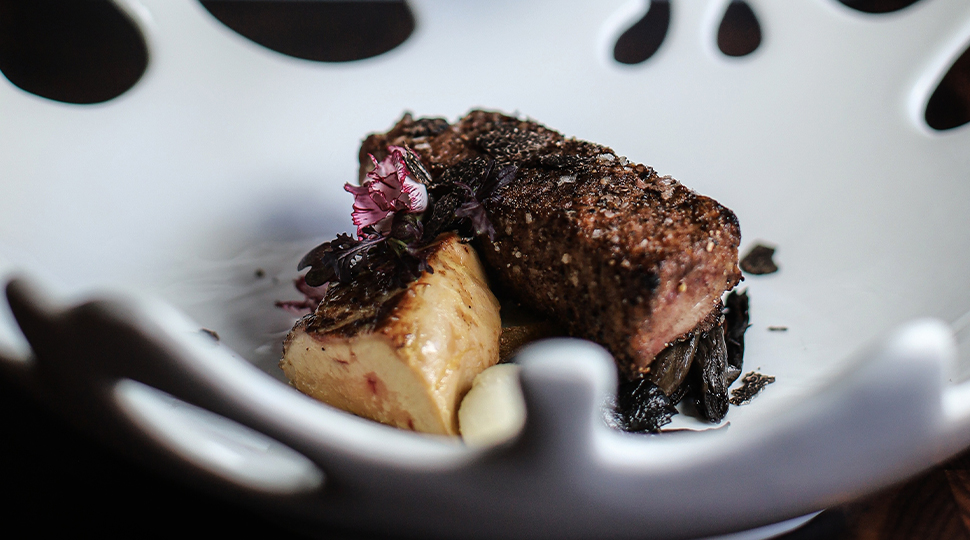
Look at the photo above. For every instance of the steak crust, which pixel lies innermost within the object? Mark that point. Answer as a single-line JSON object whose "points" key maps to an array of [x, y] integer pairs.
{"points": [[610, 250]]}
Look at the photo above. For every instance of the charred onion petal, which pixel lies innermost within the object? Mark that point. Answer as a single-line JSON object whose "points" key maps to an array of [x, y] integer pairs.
{"points": [[735, 324], [731, 374], [671, 366], [642, 407], [708, 381], [680, 393]]}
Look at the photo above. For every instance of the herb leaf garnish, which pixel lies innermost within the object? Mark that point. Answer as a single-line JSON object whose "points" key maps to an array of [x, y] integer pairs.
{"points": [[393, 242]]}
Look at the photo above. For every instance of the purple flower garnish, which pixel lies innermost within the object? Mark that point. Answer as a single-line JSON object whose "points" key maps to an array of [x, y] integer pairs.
{"points": [[390, 188], [392, 211]]}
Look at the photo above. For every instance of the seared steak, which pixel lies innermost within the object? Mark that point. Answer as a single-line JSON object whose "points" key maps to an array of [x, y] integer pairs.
{"points": [[609, 249]]}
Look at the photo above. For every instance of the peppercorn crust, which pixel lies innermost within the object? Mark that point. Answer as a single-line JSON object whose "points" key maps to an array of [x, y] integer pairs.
{"points": [[609, 249]]}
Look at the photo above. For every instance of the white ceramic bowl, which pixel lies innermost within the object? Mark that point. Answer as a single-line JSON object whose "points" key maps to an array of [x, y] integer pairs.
{"points": [[227, 157]]}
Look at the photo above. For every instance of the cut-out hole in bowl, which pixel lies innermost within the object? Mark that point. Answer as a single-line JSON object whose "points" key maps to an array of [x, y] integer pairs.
{"points": [[218, 444], [949, 105], [75, 52], [643, 39], [337, 31], [739, 33], [878, 6]]}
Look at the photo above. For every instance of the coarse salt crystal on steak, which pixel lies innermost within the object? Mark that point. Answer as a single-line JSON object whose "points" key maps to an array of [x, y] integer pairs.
{"points": [[609, 249]]}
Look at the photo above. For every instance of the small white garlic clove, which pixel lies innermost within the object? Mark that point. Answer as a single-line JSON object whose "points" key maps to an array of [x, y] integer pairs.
{"points": [[493, 410]]}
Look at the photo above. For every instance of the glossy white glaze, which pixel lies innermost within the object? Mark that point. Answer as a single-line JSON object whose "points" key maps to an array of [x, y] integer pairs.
{"points": [[227, 157]]}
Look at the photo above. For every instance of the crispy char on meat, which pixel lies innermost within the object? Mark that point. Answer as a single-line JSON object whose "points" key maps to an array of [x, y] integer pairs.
{"points": [[611, 250]]}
